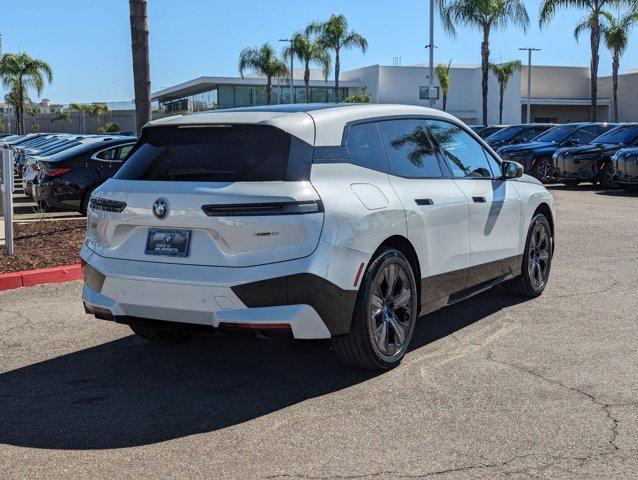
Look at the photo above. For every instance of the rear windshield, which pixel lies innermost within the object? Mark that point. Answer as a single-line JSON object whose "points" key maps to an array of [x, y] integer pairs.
{"points": [[213, 153], [556, 134]]}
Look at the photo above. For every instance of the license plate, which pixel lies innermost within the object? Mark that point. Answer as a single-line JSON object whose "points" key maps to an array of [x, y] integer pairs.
{"points": [[165, 241]]}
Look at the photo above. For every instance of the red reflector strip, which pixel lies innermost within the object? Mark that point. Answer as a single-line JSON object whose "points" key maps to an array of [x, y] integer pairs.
{"points": [[256, 326], [54, 172], [358, 276]]}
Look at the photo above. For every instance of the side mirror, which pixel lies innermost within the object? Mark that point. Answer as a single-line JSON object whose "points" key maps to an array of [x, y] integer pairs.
{"points": [[511, 169]]}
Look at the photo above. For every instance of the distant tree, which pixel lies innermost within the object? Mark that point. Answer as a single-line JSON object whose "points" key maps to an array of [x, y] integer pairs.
{"points": [[63, 117], [504, 72], [593, 23], [616, 37], [334, 35], [97, 110], [21, 72], [112, 127], [265, 61], [445, 80], [32, 112], [2, 126], [364, 96], [485, 15], [308, 51], [141, 65], [82, 110]]}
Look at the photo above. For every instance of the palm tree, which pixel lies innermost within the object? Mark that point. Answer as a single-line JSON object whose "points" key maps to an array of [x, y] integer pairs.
{"points": [[97, 110], [141, 64], [616, 37], [308, 51], [591, 22], [334, 35], [63, 117], [82, 110], [32, 112], [445, 80], [265, 61], [486, 15], [20, 71], [504, 72], [13, 99]]}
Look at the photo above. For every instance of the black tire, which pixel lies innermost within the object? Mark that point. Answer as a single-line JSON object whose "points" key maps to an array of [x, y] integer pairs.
{"points": [[358, 347], [570, 183], [525, 285], [606, 180], [157, 334]]}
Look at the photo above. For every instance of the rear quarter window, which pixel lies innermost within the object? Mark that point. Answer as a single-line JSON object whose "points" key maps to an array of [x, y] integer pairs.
{"points": [[214, 153]]}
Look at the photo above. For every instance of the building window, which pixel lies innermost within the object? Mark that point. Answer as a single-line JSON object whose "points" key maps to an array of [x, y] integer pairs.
{"points": [[423, 93]]}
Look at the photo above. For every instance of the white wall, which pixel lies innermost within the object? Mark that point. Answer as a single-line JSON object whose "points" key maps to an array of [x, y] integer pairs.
{"points": [[401, 85]]}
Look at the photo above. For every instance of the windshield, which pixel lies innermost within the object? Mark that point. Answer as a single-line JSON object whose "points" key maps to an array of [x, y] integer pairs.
{"points": [[619, 135], [214, 153], [505, 134], [556, 134]]}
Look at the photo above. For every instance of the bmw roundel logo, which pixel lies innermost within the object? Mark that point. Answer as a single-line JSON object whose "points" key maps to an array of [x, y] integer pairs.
{"points": [[160, 208]]}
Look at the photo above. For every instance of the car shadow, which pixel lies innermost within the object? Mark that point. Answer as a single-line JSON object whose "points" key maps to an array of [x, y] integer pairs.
{"points": [[128, 393], [619, 193]]}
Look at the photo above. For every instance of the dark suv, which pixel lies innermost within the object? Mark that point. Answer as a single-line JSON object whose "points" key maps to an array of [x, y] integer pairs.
{"points": [[592, 162], [516, 134], [65, 180], [536, 156], [625, 164]]}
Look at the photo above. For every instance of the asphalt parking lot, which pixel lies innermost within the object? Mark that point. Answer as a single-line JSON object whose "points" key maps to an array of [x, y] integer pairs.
{"points": [[492, 388]]}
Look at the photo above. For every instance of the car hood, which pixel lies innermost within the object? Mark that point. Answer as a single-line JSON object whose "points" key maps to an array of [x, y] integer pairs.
{"points": [[529, 179]]}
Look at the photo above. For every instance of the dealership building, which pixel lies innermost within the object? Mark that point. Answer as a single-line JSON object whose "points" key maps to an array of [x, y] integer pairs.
{"points": [[558, 94]]}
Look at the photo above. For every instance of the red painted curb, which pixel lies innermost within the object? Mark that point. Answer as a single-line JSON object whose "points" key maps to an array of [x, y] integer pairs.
{"points": [[9, 281], [30, 278]]}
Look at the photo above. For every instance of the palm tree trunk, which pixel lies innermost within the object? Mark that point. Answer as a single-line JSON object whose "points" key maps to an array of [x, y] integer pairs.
{"points": [[485, 60], [615, 65], [595, 44], [444, 101], [501, 92], [141, 64], [337, 69], [20, 107], [306, 81], [269, 91]]}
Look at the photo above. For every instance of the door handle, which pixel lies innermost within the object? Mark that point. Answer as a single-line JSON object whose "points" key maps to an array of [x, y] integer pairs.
{"points": [[424, 201], [479, 199]]}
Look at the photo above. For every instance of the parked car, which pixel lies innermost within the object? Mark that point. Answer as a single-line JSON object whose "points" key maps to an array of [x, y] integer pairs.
{"points": [[536, 156], [485, 131], [625, 164], [338, 221], [46, 144], [28, 162], [65, 179], [592, 163], [9, 143], [517, 134]]}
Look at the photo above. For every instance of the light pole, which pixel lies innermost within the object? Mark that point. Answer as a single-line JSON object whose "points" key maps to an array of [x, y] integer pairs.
{"points": [[292, 72], [529, 79], [431, 52]]}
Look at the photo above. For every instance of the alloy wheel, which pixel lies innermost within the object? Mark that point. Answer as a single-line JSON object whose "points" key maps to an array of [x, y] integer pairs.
{"points": [[390, 311], [539, 255]]}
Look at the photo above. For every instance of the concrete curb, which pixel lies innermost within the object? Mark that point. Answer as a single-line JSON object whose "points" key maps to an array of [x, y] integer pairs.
{"points": [[30, 278]]}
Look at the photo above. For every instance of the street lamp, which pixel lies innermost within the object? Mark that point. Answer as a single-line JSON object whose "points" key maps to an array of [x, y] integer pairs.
{"points": [[431, 47], [292, 74], [529, 79]]}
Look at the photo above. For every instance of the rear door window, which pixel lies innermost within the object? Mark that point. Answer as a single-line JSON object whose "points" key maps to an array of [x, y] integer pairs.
{"points": [[409, 149], [213, 153]]}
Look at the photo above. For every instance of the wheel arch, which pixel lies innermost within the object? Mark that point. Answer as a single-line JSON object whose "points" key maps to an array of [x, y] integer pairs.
{"points": [[547, 211]]}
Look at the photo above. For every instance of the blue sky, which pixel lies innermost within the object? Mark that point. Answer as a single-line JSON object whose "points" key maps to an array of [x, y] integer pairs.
{"points": [[87, 42]]}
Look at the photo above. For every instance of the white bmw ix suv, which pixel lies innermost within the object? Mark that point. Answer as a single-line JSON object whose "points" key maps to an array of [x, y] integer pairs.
{"points": [[329, 221]]}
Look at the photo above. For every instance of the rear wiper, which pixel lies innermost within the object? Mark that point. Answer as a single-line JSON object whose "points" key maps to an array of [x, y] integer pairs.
{"points": [[193, 172]]}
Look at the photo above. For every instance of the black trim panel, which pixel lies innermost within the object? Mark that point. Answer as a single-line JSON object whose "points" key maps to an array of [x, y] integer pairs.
{"points": [[333, 304], [263, 209]]}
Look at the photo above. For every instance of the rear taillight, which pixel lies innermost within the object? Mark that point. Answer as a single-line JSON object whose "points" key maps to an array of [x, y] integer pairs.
{"points": [[56, 172], [106, 205], [263, 209]]}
